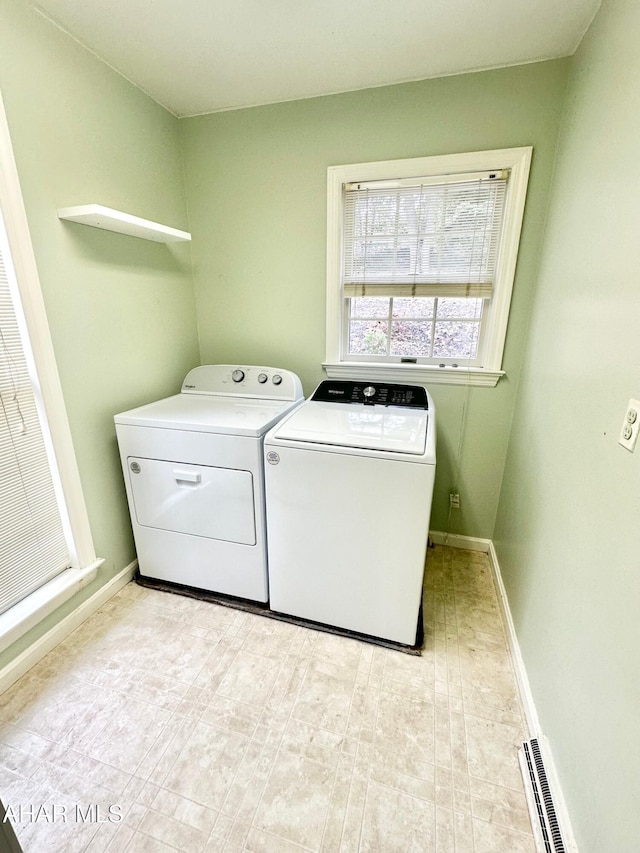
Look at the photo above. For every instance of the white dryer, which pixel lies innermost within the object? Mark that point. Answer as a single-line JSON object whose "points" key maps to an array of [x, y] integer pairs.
{"points": [[349, 481], [194, 476]]}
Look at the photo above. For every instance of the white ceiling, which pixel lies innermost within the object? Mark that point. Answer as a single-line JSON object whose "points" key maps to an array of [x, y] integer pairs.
{"points": [[199, 56]]}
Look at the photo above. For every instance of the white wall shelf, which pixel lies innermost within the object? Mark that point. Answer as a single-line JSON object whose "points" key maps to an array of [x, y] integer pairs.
{"points": [[108, 219]]}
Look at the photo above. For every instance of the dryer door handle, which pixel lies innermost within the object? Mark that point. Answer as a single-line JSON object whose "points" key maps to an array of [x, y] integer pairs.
{"points": [[187, 476]]}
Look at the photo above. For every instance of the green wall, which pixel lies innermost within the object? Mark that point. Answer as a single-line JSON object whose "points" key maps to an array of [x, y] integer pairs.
{"points": [[256, 189], [121, 310], [568, 526]]}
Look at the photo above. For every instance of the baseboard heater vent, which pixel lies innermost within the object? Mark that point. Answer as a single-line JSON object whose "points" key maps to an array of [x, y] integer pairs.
{"points": [[543, 813]]}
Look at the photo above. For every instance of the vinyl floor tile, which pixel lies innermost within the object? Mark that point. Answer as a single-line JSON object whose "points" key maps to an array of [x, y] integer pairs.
{"points": [[211, 730]]}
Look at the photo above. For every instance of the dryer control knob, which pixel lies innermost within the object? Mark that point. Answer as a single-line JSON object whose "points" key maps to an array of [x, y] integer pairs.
{"points": [[277, 379], [237, 375], [262, 378], [369, 391]]}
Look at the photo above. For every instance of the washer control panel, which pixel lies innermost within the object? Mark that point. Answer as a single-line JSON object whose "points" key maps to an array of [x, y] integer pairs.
{"points": [[380, 393]]}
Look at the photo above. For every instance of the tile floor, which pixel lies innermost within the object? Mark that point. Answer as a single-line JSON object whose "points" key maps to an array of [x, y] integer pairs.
{"points": [[209, 729]]}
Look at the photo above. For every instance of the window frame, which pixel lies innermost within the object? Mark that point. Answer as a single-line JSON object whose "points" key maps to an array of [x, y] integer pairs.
{"points": [[23, 615], [494, 325]]}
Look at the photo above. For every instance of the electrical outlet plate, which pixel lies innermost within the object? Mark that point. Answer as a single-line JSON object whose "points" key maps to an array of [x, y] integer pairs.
{"points": [[454, 500], [630, 426]]}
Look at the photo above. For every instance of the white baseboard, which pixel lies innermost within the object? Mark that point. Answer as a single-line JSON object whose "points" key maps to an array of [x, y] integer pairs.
{"points": [[471, 543], [16, 668], [530, 712], [455, 540], [526, 696]]}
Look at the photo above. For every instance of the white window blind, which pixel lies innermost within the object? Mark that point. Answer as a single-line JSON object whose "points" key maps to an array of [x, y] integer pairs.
{"points": [[435, 236], [33, 545]]}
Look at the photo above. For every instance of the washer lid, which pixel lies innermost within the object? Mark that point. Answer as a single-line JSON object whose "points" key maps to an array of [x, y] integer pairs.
{"points": [[384, 428], [207, 413]]}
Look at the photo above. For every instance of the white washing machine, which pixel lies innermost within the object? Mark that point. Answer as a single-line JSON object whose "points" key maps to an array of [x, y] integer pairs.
{"points": [[194, 475], [349, 480]]}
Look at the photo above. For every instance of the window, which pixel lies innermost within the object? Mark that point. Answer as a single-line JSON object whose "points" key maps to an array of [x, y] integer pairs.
{"points": [[420, 266], [46, 549], [33, 546]]}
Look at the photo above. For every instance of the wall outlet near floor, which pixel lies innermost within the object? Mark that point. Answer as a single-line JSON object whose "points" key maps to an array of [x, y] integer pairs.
{"points": [[454, 500], [630, 426]]}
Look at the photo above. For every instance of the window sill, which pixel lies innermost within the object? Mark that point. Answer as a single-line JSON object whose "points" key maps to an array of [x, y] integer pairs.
{"points": [[417, 373], [20, 618]]}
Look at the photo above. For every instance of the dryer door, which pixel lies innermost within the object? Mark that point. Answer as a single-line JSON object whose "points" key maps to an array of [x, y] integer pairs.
{"points": [[199, 500]]}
